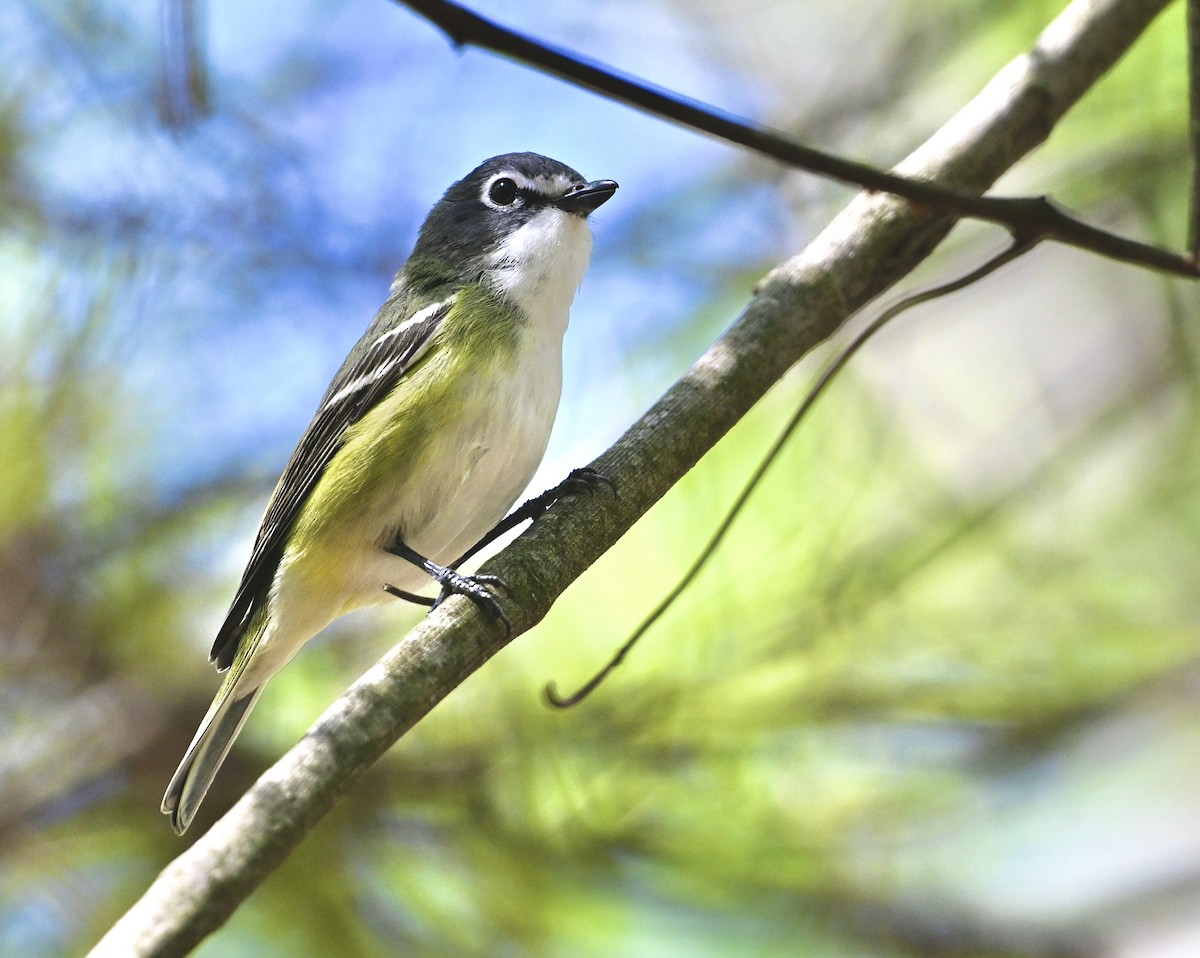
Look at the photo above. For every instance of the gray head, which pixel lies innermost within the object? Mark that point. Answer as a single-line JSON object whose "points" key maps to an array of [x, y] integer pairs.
{"points": [[482, 211]]}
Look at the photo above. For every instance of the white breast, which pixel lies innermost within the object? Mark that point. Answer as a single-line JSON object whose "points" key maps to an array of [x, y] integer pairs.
{"points": [[502, 439], [539, 268]]}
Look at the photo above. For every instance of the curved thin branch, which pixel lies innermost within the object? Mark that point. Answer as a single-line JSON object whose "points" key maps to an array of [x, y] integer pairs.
{"points": [[1033, 217], [1014, 250], [874, 242]]}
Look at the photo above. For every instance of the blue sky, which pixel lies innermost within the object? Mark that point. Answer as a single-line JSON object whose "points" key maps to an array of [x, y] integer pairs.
{"points": [[263, 238]]}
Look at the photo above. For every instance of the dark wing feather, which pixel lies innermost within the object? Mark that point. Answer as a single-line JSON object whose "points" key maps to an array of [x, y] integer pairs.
{"points": [[371, 370]]}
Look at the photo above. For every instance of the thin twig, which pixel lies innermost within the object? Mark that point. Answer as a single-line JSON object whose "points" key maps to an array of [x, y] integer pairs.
{"points": [[1034, 216], [1017, 248]]}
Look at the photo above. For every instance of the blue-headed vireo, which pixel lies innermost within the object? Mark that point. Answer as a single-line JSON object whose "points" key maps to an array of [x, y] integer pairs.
{"points": [[432, 427]]}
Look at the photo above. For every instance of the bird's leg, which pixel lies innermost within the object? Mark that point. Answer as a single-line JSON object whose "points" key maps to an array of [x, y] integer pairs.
{"points": [[412, 597], [584, 479], [474, 587]]}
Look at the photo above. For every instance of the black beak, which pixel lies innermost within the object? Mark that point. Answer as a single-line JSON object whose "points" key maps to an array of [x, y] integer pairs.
{"points": [[583, 200]]}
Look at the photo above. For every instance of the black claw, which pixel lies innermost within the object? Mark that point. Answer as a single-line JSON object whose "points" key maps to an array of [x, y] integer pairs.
{"points": [[494, 581], [584, 479], [474, 587]]}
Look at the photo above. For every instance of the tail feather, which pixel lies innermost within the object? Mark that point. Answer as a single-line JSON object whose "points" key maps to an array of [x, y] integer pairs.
{"points": [[204, 756]]}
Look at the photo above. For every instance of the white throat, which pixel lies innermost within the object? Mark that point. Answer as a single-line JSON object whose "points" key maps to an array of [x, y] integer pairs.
{"points": [[540, 265]]}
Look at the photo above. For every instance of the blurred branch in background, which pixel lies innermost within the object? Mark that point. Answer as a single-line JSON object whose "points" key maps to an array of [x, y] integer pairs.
{"points": [[184, 97]]}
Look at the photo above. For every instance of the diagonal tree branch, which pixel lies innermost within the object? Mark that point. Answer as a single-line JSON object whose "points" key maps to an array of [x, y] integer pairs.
{"points": [[874, 242], [1027, 218]]}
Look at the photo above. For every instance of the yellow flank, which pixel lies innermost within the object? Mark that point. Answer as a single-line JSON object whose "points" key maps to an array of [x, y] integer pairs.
{"points": [[370, 479]]}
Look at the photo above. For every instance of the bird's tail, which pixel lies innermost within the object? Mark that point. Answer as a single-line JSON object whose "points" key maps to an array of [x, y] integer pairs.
{"points": [[225, 718]]}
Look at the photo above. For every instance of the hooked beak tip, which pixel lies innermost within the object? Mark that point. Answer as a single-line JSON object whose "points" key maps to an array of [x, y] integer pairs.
{"points": [[586, 199]]}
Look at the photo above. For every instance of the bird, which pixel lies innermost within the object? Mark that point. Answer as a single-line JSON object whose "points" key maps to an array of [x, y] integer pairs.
{"points": [[430, 430]]}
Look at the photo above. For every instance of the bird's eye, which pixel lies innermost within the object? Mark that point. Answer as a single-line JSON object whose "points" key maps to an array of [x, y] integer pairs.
{"points": [[503, 192]]}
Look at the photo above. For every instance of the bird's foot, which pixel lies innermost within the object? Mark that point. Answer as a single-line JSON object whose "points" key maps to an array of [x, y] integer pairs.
{"points": [[477, 588], [578, 481]]}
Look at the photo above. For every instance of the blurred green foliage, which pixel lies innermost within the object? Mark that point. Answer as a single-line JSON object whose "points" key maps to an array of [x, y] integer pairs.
{"points": [[935, 695]]}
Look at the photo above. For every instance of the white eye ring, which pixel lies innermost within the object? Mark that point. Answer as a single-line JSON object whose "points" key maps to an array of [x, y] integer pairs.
{"points": [[502, 193]]}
